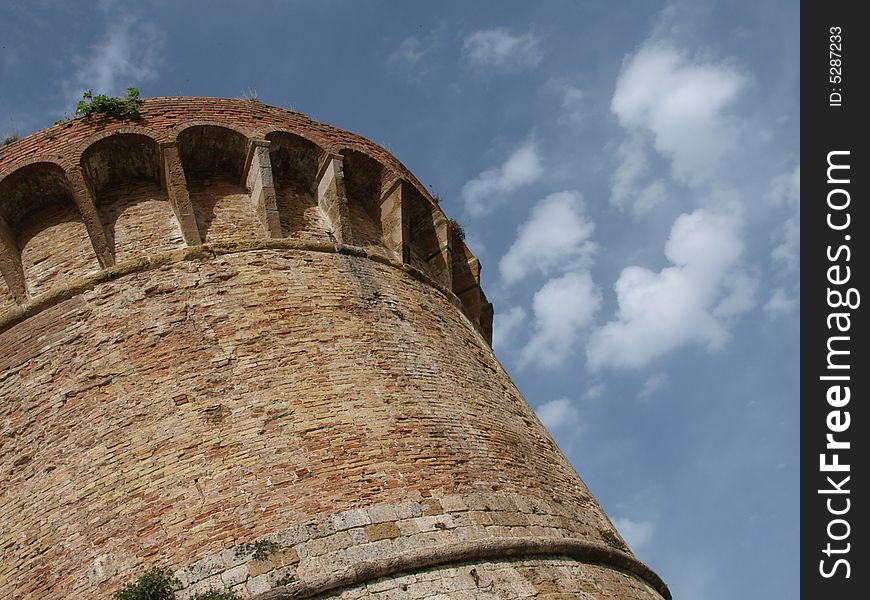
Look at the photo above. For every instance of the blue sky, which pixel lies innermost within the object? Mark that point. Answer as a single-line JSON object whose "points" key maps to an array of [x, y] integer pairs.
{"points": [[628, 174]]}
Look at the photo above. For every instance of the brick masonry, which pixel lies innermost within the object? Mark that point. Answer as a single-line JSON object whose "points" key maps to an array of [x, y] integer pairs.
{"points": [[335, 406]]}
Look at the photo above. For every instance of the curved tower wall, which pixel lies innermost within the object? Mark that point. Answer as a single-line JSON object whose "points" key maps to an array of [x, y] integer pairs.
{"points": [[249, 348]]}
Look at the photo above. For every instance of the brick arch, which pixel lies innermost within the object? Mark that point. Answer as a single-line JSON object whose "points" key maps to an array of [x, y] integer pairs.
{"points": [[209, 149], [215, 163], [363, 178], [31, 186], [157, 136], [122, 156], [16, 193], [295, 160], [267, 131], [125, 174], [232, 126], [24, 164], [363, 173], [48, 239]]}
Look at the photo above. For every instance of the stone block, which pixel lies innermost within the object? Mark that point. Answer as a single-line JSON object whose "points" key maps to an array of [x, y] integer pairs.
{"points": [[351, 518], [382, 531], [281, 558], [234, 575]]}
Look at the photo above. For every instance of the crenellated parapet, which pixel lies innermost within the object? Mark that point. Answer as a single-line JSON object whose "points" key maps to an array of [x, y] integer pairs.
{"points": [[95, 195]]}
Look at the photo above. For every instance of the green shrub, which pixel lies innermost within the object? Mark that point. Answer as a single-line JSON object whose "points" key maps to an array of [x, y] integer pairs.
{"points": [[156, 584], [460, 231], [119, 108]]}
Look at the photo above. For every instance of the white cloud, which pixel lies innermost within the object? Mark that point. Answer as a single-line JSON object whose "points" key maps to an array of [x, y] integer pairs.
{"points": [[573, 105], [631, 184], [414, 55], [690, 302], [505, 324], [780, 304], [563, 307], [653, 384], [650, 198], [570, 100], [740, 289], [682, 104], [685, 142], [410, 51], [787, 253], [595, 391], [785, 190], [483, 193], [636, 533], [559, 415], [126, 56], [499, 49], [556, 236], [632, 164]]}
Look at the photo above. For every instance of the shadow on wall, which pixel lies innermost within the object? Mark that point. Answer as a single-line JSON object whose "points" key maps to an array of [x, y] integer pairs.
{"points": [[294, 168], [214, 159], [48, 240], [123, 172]]}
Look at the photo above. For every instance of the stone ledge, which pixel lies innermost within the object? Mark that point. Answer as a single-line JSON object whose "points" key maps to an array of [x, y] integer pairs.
{"points": [[379, 537], [204, 252], [447, 554]]}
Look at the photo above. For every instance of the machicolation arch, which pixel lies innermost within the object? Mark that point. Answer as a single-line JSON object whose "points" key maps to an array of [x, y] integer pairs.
{"points": [[124, 192]]}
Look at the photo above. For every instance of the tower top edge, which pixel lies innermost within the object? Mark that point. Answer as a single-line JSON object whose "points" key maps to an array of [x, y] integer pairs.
{"points": [[163, 117], [75, 162]]}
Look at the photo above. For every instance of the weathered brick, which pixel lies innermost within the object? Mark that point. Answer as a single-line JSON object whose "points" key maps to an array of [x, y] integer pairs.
{"points": [[381, 531], [339, 402]]}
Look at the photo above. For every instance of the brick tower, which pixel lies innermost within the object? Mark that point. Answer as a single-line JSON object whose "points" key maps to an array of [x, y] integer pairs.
{"points": [[249, 348]]}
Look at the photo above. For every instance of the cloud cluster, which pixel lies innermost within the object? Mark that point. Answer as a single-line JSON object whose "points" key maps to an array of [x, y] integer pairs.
{"points": [[554, 241], [682, 104], [691, 301], [416, 57], [499, 49], [559, 415], [573, 105], [785, 190], [127, 55], [483, 193], [653, 384], [779, 304], [504, 324], [636, 533], [682, 139], [557, 235], [677, 110], [411, 51], [571, 100], [629, 190], [563, 308]]}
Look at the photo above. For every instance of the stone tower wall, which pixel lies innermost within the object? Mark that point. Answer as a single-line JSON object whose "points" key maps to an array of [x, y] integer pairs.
{"points": [[249, 348]]}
